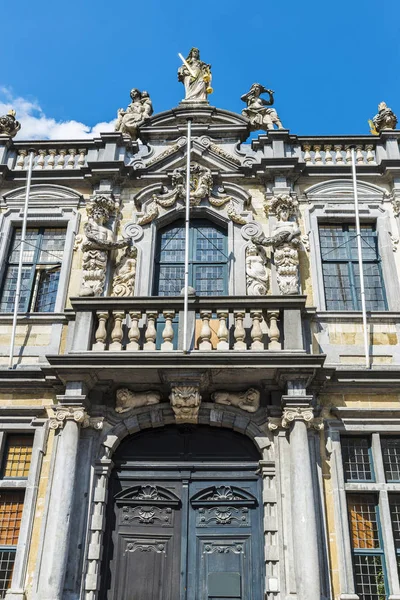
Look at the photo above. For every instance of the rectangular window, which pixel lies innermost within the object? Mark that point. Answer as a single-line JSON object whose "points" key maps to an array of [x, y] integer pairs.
{"points": [[18, 455], [368, 558], [391, 458], [357, 459], [42, 258], [11, 506], [340, 268]]}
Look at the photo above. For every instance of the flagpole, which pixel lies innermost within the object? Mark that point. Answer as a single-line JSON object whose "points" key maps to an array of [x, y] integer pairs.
{"points": [[187, 241], [21, 258], [360, 261]]}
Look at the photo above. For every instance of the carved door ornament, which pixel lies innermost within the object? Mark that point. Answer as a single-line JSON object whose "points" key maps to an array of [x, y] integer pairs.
{"points": [[147, 505]]}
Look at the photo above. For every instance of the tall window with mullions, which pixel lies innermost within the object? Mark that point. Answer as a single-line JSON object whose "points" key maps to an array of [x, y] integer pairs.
{"points": [[42, 258], [341, 271], [208, 259]]}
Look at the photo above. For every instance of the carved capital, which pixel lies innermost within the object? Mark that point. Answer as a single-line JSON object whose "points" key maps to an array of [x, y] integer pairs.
{"points": [[77, 414], [296, 413]]}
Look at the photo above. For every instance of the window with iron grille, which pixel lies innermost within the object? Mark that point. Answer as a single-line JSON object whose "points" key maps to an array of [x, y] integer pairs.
{"points": [[357, 458], [341, 272], [391, 457], [11, 506], [42, 258], [17, 456], [368, 557]]}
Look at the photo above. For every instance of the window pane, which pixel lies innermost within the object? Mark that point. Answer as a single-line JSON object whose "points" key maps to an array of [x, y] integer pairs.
{"points": [[47, 291], [30, 246], [369, 577], [209, 280], [7, 558], [10, 287], [394, 502], [374, 298], [171, 280], [333, 242], [368, 241], [363, 521], [338, 294], [356, 458], [18, 455], [391, 458], [210, 245], [52, 247], [172, 247], [11, 505]]}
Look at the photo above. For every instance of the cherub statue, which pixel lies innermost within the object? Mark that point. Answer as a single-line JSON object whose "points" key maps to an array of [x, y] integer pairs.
{"points": [[9, 125], [138, 111], [385, 119], [196, 77], [125, 271], [256, 275], [98, 241], [257, 112]]}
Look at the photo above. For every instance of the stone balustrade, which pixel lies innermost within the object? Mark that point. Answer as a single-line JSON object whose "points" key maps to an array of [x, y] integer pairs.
{"points": [[51, 158], [338, 154], [220, 324]]}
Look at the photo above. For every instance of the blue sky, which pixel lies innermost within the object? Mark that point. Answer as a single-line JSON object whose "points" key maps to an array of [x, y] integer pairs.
{"points": [[68, 66]]}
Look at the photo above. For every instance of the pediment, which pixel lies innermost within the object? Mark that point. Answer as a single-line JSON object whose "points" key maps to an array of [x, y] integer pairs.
{"points": [[223, 494], [43, 195], [205, 151], [147, 494], [342, 190]]}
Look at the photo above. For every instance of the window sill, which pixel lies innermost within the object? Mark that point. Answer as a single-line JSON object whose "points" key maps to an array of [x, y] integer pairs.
{"points": [[356, 315], [7, 318]]}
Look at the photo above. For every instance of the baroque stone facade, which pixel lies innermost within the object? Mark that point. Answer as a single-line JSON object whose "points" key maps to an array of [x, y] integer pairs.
{"points": [[254, 411]]}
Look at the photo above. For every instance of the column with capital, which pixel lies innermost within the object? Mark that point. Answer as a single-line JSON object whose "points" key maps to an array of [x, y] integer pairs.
{"points": [[68, 419], [298, 416]]}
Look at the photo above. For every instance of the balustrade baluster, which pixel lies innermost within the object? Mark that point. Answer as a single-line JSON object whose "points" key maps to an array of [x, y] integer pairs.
{"points": [[239, 333], [134, 331], [359, 155], [317, 155], [328, 154], [22, 154], [205, 333], [101, 331], [117, 333], [256, 331], [370, 154], [41, 160], [273, 330], [151, 332], [168, 333], [71, 158], [52, 160], [348, 155], [61, 159], [307, 155], [223, 332], [338, 154], [82, 158]]}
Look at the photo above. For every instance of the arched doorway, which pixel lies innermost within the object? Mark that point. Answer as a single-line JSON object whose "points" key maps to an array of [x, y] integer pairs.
{"points": [[184, 517]]}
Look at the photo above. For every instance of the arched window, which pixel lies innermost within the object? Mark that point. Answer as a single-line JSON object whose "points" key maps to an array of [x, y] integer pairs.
{"points": [[208, 259]]}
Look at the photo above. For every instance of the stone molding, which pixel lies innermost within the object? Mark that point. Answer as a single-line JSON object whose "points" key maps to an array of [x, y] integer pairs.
{"points": [[77, 414], [296, 413]]}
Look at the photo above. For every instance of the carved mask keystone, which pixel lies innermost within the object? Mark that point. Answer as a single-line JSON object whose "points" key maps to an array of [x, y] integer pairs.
{"points": [[185, 402]]}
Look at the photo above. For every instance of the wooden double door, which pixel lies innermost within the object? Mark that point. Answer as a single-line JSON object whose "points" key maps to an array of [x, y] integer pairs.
{"points": [[184, 531]]}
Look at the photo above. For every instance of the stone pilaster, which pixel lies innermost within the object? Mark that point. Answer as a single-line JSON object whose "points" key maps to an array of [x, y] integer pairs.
{"points": [[298, 417], [67, 420]]}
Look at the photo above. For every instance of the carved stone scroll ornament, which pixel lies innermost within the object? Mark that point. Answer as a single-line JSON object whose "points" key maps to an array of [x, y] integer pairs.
{"points": [[9, 125], [285, 240], [296, 413], [248, 400], [185, 402], [124, 275], [256, 274], [99, 240], [385, 119], [257, 111], [127, 399], [136, 114], [77, 414]]}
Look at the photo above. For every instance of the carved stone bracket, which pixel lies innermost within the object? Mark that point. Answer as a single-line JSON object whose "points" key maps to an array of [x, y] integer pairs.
{"points": [[296, 413], [77, 414], [185, 402]]}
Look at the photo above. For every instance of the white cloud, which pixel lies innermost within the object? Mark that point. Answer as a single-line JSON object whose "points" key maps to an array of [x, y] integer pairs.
{"points": [[35, 125]]}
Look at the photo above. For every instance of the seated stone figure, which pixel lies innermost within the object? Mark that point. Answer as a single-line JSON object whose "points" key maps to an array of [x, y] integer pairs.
{"points": [[140, 109], [257, 112], [385, 119]]}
